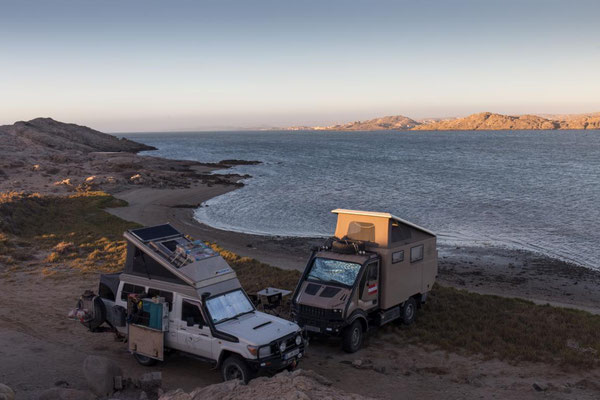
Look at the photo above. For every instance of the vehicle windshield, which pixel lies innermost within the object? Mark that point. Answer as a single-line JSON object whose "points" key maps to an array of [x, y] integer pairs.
{"points": [[334, 271], [228, 305]]}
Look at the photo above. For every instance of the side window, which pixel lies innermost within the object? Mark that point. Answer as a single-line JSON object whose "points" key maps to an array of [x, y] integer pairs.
{"points": [[373, 272], [105, 292], [191, 311], [397, 256], [416, 253], [162, 293], [129, 288]]}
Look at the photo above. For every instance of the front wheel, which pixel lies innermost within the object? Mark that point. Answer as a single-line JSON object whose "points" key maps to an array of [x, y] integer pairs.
{"points": [[235, 368], [409, 311], [352, 338], [143, 360]]}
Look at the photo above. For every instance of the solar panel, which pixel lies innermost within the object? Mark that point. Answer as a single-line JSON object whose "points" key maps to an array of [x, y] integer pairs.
{"points": [[157, 232]]}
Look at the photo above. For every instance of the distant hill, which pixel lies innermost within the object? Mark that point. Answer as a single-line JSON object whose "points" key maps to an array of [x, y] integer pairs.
{"points": [[57, 135], [474, 122], [491, 121], [394, 122]]}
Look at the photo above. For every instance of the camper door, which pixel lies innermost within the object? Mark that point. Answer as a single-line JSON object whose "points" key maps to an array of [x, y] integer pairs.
{"points": [[369, 285]]}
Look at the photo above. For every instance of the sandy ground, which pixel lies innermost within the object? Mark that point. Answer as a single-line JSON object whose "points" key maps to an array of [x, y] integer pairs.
{"points": [[41, 347]]}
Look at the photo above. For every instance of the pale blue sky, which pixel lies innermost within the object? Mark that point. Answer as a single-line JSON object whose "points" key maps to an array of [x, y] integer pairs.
{"points": [[169, 65]]}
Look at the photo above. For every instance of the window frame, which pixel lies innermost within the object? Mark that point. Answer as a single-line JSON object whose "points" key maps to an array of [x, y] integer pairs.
{"points": [[401, 259], [422, 246], [198, 306], [125, 294]]}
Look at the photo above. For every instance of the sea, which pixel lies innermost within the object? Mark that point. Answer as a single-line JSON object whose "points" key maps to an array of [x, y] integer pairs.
{"points": [[531, 190]]}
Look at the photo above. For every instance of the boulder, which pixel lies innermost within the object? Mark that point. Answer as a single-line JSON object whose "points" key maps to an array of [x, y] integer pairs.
{"points": [[6, 393], [60, 393], [178, 394], [100, 373]]}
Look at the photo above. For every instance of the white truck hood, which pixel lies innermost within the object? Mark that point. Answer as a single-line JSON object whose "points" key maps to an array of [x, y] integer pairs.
{"points": [[258, 328]]}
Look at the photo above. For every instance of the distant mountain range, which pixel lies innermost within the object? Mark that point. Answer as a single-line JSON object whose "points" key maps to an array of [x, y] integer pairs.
{"points": [[480, 121]]}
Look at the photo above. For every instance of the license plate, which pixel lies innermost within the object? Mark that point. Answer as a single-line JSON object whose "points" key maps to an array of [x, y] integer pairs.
{"points": [[291, 354], [312, 328]]}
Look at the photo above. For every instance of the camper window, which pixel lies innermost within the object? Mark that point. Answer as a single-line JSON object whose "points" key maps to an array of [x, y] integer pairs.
{"points": [[129, 288], [416, 253], [397, 256], [168, 296], [190, 312], [364, 231]]}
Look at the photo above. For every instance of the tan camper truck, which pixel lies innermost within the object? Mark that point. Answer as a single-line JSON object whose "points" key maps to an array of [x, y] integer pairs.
{"points": [[376, 269], [178, 295]]}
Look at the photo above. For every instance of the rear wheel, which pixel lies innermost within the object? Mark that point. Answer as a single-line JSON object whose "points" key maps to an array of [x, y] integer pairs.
{"points": [[409, 311], [143, 360], [352, 338], [235, 368]]}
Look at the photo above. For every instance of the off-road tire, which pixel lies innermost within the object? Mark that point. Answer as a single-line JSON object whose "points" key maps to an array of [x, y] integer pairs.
{"points": [[234, 367], [143, 360], [409, 311], [352, 337]]}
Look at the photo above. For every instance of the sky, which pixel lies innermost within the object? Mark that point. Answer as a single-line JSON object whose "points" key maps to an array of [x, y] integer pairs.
{"points": [[131, 65]]}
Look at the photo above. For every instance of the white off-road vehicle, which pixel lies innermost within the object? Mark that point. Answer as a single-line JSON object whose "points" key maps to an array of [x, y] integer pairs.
{"points": [[176, 294]]}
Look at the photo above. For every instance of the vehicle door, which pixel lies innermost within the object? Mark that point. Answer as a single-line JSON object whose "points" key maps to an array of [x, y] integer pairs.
{"points": [[369, 286], [192, 333]]}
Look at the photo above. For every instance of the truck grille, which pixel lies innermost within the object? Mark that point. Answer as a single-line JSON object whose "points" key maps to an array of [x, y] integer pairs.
{"points": [[310, 312]]}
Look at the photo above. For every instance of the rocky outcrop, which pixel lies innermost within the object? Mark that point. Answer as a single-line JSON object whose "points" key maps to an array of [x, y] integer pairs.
{"points": [[490, 121], [394, 122], [299, 384], [57, 135]]}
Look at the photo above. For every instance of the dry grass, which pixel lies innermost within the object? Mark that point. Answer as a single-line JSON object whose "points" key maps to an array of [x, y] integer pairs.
{"points": [[255, 275], [75, 229], [505, 328]]}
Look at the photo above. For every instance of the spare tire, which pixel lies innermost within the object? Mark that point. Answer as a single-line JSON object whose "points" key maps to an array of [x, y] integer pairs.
{"points": [[347, 246], [97, 314]]}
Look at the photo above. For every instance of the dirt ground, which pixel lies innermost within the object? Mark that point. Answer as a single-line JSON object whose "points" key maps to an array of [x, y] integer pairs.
{"points": [[41, 347]]}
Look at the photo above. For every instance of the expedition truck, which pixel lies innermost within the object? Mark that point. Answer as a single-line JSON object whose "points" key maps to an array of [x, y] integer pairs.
{"points": [[176, 294], [376, 269]]}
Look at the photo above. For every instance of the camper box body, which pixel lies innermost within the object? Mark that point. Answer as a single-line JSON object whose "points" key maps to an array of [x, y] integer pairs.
{"points": [[408, 252]]}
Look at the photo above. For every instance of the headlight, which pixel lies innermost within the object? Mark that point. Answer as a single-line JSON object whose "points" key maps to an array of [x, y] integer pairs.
{"points": [[298, 340], [253, 350], [282, 347], [337, 310], [264, 351]]}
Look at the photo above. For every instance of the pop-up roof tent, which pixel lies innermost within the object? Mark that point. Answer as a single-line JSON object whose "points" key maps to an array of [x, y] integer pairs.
{"points": [[378, 228], [163, 254]]}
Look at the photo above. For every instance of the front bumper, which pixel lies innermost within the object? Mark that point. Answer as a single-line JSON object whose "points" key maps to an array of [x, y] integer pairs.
{"points": [[323, 322], [280, 360]]}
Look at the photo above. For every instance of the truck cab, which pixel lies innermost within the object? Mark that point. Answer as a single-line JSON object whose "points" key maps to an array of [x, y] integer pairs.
{"points": [[376, 269], [202, 309]]}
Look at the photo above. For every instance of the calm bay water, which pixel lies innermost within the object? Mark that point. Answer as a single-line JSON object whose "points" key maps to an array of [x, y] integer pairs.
{"points": [[536, 190]]}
